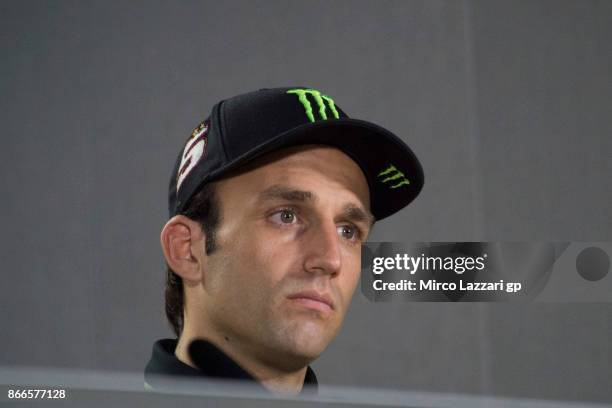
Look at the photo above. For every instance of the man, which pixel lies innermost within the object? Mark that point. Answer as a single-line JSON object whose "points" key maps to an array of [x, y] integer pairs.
{"points": [[270, 200]]}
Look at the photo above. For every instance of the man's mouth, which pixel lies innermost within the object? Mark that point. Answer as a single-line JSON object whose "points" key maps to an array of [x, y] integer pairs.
{"points": [[313, 300]]}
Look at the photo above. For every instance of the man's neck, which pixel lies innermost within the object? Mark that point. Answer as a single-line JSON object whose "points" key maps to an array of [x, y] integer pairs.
{"points": [[274, 379]]}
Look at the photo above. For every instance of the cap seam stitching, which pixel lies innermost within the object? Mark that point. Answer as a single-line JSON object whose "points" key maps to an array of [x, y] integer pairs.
{"points": [[222, 128]]}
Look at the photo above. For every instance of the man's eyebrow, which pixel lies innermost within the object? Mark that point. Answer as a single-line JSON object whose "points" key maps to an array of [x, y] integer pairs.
{"points": [[358, 214], [286, 193], [351, 211]]}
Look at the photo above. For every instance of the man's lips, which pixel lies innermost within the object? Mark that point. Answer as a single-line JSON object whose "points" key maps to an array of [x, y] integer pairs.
{"points": [[313, 300]]}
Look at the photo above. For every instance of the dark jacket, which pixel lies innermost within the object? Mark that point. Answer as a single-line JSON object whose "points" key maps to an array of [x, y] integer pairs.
{"points": [[164, 367]]}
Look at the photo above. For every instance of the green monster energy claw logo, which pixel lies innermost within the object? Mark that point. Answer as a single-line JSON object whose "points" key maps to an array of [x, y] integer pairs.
{"points": [[319, 98], [392, 175]]}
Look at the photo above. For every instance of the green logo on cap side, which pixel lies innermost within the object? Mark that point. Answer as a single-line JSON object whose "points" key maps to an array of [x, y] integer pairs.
{"points": [[319, 98], [393, 176]]}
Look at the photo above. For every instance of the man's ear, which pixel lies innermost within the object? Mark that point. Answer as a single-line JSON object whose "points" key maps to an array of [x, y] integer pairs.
{"points": [[182, 241]]}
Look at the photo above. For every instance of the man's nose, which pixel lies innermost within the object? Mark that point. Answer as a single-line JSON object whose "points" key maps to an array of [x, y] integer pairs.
{"points": [[323, 250]]}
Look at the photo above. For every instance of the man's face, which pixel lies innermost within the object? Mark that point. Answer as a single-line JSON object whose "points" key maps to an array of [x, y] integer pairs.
{"points": [[289, 253]]}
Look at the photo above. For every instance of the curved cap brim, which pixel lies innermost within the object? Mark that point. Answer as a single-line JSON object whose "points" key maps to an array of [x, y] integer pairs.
{"points": [[393, 172]]}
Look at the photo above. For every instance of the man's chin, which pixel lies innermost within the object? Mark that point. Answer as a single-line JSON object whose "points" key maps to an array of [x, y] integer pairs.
{"points": [[307, 341], [293, 358]]}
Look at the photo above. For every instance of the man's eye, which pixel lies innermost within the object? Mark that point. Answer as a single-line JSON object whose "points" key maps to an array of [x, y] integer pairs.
{"points": [[348, 232], [284, 217]]}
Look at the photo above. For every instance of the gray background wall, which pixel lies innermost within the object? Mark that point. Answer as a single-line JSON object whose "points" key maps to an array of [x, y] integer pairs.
{"points": [[507, 103]]}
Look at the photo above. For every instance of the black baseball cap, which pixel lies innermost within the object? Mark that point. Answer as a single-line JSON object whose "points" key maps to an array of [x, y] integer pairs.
{"points": [[247, 126]]}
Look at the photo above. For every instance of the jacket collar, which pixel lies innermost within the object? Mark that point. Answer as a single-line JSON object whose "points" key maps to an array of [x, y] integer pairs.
{"points": [[164, 367]]}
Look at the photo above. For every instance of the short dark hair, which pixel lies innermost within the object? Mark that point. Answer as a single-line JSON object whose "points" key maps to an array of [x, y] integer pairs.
{"points": [[203, 208]]}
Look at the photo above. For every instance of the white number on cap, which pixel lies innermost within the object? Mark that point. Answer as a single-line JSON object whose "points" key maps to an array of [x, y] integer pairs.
{"points": [[193, 152]]}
